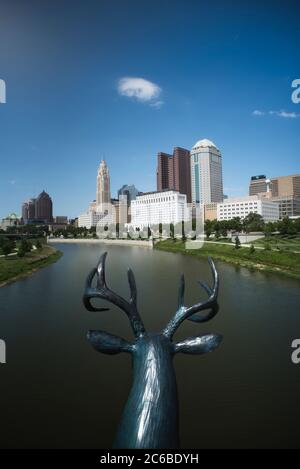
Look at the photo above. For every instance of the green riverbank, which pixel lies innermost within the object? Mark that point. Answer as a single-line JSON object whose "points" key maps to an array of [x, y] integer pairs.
{"points": [[285, 263], [13, 267]]}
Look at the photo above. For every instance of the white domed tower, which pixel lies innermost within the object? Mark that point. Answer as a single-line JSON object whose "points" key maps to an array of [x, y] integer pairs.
{"points": [[103, 184], [206, 173]]}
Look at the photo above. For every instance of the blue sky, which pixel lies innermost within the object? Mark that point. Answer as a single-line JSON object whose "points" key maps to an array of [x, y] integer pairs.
{"points": [[211, 65]]}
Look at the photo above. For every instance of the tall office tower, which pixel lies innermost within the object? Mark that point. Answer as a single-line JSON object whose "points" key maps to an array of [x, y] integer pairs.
{"points": [[25, 213], [164, 172], [173, 172], [258, 184], [103, 184], [182, 172], [286, 186], [206, 173], [28, 211], [43, 208], [31, 209]]}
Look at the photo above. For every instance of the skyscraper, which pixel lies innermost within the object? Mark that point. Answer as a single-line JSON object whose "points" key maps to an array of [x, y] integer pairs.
{"points": [[258, 184], [286, 185], [43, 208], [173, 171], [31, 209], [103, 184], [25, 212], [130, 191], [28, 211], [206, 173], [99, 210], [164, 173]]}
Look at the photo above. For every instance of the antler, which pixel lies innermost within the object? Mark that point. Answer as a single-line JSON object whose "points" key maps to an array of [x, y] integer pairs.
{"points": [[185, 312], [102, 291]]}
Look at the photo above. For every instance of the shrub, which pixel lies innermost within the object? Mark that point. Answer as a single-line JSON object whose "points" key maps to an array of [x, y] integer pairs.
{"points": [[7, 248], [38, 244], [3, 241], [252, 249], [21, 252], [26, 245]]}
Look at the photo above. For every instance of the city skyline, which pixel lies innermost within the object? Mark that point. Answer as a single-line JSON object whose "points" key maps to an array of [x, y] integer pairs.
{"points": [[264, 184], [123, 101]]}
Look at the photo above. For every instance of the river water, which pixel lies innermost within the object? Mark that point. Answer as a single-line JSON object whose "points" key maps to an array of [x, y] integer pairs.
{"points": [[57, 392]]}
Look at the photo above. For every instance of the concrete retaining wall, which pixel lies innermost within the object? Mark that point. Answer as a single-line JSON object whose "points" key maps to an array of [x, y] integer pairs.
{"points": [[115, 242]]}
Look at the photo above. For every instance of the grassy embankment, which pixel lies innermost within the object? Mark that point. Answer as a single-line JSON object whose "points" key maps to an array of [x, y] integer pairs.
{"points": [[283, 262], [13, 267], [280, 242]]}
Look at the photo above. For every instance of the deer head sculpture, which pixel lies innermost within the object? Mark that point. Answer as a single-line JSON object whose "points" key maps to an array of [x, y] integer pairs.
{"points": [[150, 416]]}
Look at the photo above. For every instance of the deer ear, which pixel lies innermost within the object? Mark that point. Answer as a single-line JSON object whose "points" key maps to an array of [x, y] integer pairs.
{"points": [[108, 343], [198, 345]]}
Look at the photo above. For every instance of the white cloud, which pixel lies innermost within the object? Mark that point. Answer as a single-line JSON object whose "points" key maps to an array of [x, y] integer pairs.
{"points": [[140, 89], [285, 114], [157, 104], [258, 113], [289, 115]]}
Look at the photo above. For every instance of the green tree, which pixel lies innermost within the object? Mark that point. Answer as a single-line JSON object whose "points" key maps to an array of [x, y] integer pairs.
{"points": [[237, 242], [38, 244], [269, 228], [2, 241], [172, 230], [284, 225], [7, 248], [208, 228], [292, 230], [183, 232], [21, 252], [224, 228], [235, 224], [252, 249], [26, 245], [253, 222]]}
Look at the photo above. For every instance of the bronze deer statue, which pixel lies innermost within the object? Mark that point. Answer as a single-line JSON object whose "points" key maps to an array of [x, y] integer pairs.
{"points": [[150, 417]]}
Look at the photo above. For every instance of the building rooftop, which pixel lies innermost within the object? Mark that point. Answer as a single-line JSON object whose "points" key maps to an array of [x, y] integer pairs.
{"points": [[157, 192], [258, 178], [287, 176], [12, 216], [204, 143]]}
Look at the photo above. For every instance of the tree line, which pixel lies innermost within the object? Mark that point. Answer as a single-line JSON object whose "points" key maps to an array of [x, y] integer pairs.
{"points": [[252, 222]]}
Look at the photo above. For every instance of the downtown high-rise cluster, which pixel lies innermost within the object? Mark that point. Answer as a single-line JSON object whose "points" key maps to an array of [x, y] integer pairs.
{"points": [[185, 179], [188, 180]]}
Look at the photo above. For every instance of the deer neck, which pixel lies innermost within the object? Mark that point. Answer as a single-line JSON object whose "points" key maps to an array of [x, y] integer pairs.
{"points": [[150, 417]]}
